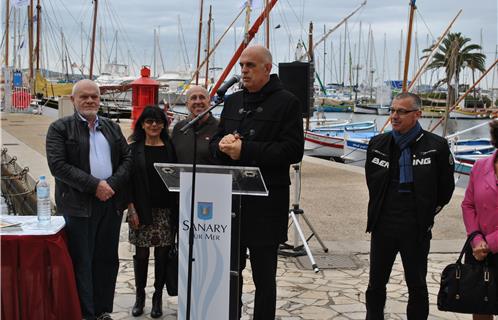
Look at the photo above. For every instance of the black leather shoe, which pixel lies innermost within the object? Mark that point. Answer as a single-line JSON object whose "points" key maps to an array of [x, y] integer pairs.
{"points": [[157, 305]]}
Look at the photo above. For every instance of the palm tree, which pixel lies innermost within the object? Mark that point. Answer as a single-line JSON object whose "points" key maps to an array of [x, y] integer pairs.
{"points": [[453, 54]]}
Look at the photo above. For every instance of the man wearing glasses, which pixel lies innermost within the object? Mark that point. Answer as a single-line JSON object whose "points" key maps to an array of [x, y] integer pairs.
{"points": [[409, 174]]}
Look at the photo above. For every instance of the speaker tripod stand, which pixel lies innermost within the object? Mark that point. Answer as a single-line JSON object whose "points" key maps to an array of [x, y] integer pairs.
{"points": [[295, 213]]}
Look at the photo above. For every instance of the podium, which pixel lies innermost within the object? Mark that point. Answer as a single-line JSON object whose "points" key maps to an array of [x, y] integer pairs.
{"points": [[216, 232]]}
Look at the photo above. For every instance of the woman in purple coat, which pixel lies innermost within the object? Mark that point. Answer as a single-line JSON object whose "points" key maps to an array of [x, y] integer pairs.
{"points": [[480, 207]]}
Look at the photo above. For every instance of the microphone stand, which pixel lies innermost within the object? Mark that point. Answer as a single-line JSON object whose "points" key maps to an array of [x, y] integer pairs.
{"points": [[194, 123]]}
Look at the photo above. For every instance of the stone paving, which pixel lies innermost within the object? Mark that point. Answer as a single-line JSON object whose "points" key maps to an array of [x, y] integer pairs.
{"points": [[303, 294]]}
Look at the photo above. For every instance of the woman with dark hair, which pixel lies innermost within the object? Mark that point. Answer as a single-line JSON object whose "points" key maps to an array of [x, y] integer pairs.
{"points": [[152, 211], [480, 208]]}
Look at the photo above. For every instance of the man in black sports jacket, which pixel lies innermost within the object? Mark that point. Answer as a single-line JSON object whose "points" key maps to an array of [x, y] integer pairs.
{"points": [[409, 174]]}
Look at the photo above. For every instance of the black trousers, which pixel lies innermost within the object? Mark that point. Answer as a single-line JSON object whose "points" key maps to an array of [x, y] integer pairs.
{"points": [[414, 252], [264, 270], [93, 246]]}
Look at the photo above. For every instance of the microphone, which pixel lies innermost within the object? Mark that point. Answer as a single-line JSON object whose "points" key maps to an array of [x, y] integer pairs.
{"points": [[223, 89]]}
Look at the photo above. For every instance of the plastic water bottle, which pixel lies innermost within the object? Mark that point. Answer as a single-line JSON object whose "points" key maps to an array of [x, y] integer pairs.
{"points": [[43, 201], [3, 205]]}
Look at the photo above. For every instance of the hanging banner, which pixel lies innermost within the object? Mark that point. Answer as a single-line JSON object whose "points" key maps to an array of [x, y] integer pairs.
{"points": [[211, 250]]}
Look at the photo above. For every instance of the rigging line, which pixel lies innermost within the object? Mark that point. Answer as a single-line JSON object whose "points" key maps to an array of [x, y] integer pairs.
{"points": [[301, 22], [419, 14], [49, 18], [285, 23], [120, 27], [183, 44]]}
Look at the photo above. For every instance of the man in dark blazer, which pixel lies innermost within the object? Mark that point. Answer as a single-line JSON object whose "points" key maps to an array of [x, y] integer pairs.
{"points": [[261, 126], [90, 160]]}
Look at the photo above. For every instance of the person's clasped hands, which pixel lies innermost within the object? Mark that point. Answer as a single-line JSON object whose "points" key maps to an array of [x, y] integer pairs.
{"points": [[231, 145]]}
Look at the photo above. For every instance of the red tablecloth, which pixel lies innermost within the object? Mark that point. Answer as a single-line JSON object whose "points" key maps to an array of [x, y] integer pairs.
{"points": [[38, 279]]}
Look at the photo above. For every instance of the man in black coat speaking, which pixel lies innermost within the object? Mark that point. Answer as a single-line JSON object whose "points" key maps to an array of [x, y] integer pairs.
{"points": [[261, 126]]}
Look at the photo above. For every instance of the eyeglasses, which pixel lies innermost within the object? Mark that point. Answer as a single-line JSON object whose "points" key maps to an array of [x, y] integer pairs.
{"points": [[401, 112], [151, 121]]}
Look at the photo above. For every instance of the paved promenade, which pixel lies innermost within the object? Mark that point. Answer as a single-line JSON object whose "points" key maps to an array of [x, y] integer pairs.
{"points": [[334, 199]]}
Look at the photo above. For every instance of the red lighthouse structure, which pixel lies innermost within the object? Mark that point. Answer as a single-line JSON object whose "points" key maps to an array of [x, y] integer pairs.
{"points": [[144, 92]]}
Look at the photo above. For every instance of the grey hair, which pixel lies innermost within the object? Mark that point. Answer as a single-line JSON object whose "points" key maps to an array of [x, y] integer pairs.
{"points": [[77, 85], [417, 102]]}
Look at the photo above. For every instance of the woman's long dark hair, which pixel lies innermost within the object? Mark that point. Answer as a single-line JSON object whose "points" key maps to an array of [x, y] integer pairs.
{"points": [[493, 130], [150, 112]]}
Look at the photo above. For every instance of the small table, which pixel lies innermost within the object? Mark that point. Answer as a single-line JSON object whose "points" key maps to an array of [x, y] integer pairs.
{"points": [[37, 272]]}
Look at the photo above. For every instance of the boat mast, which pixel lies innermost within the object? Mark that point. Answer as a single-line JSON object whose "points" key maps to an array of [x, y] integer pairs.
{"points": [[336, 26], [247, 22], [434, 48], [312, 68], [38, 35], [371, 70], [426, 62], [400, 52], [100, 50], [62, 51], [199, 38], [344, 55], [210, 53], [206, 82], [267, 25], [7, 36], [250, 35], [155, 59], [357, 68], [408, 44], [324, 58], [15, 37], [94, 27], [30, 41]]}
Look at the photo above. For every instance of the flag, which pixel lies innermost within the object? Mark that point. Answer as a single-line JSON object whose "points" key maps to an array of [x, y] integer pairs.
{"points": [[20, 3]]}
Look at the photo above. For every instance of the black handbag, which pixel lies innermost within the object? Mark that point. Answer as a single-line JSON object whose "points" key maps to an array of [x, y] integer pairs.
{"points": [[468, 288], [172, 271]]}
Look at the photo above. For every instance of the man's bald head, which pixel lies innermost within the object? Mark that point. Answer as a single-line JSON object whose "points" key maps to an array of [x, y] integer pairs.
{"points": [[197, 100], [255, 65], [260, 51], [196, 88]]}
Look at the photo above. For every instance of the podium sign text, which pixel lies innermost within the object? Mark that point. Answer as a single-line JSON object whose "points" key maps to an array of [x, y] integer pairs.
{"points": [[211, 251]]}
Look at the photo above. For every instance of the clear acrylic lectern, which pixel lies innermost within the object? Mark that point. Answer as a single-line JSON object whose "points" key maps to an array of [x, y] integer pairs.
{"points": [[209, 235]]}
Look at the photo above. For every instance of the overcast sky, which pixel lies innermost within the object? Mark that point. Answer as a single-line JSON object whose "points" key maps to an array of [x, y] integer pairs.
{"points": [[136, 20]]}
